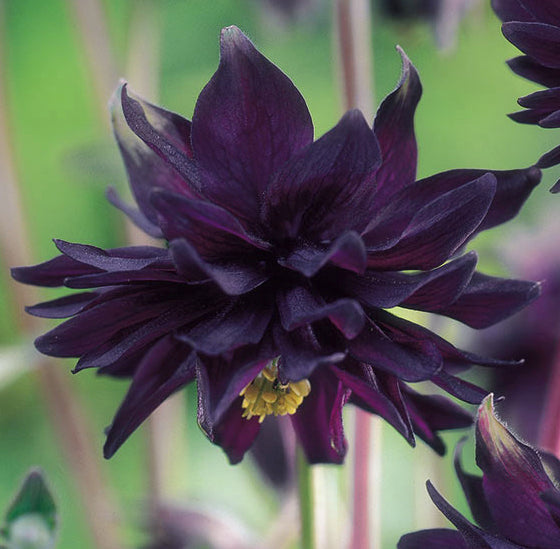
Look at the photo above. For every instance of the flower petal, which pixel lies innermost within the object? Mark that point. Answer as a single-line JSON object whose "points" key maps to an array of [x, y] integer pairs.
{"points": [[220, 381], [488, 299], [513, 479], [51, 273], [135, 215], [329, 187], [166, 368], [234, 433], [347, 252], [438, 229], [418, 360], [154, 144], [511, 10], [474, 492], [376, 393], [63, 307], [213, 231], [242, 321], [437, 538], [430, 414], [92, 327], [248, 121], [394, 128], [538, 40], [232, 278], [130, 258], [422, 291], [318, 421], [300, 352], [297, 307], [474, 536]]}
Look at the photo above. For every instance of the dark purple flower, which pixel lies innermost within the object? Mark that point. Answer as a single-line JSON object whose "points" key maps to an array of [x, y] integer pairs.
{"points": [[534, 27], [283, 257], [516, 502]]}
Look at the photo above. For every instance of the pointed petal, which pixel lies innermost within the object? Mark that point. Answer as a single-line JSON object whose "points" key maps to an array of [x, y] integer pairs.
{"points": [[347, 252], [488, 299], [528, 68], [430, 414], [118, 259], [329, 187], [133, 338], [63, 307], [538, 40], [51, 273], [444, 285], [318, 421], [232, 278], [513, 479], [422, 291], [418, 360], [242, 321], [154, 144], [135, 215], [86, 331], [220, 380], [438, 229], [459, 388], [213, 231], [474, 536], [474, 492], [394, 128], [300, 353], [549, 159], [297, 307], [248, 121], [234, 433], [166, 368], [376, 394]]}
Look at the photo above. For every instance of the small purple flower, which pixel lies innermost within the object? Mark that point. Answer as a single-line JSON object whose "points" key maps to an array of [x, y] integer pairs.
{"points": [[283, 257], [516, 502], [534, 27]]}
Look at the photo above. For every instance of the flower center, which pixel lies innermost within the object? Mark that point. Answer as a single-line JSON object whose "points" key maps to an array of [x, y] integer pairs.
{"points": [[265, 395]]}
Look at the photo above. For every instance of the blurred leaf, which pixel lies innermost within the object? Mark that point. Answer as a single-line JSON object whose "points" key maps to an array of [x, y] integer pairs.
{"points": [[31, 518]]}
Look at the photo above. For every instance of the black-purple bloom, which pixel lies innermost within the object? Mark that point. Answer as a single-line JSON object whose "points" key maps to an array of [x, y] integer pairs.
{"points": [[516, 502], [534, 27], [284, 255]]}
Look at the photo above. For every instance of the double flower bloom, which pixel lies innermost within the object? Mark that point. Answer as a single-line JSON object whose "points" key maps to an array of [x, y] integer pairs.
{"points": [[287, 251]]}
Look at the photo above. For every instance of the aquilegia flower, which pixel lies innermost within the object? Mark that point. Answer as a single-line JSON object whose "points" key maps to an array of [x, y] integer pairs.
{"points": [[534, 27], [283, 257], [516, 502]]}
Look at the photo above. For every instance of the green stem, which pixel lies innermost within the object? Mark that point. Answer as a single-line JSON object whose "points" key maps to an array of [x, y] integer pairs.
{"points": [[305, 492]]}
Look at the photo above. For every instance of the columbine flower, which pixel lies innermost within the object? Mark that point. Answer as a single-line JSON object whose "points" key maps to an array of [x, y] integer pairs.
{"points": [[516, 502], [283, 257], [534, 27]]}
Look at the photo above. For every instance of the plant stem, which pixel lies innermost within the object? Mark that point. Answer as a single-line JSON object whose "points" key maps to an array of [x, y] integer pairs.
{"points": [[354, 44], [306, 500]]}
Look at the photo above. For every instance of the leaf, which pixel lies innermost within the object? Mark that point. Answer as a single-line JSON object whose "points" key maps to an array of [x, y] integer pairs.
{"points": [[31, 519]]}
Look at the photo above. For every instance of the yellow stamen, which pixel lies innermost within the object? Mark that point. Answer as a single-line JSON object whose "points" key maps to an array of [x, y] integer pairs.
{"points": [[265, 395]]}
